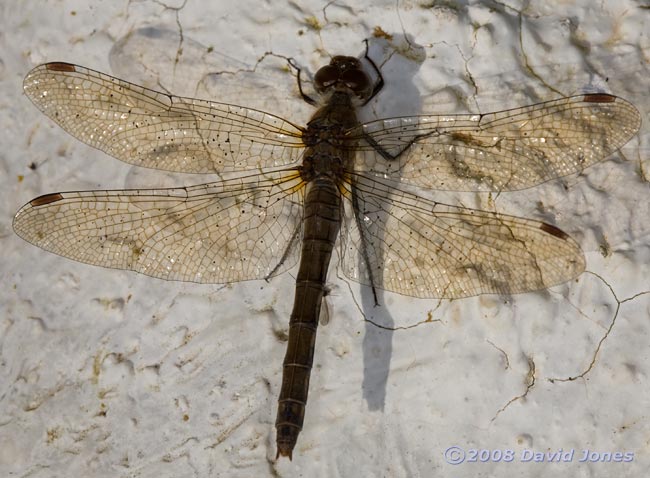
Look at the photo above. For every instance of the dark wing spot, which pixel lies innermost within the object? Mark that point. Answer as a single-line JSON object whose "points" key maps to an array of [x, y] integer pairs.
{"points": [[553, 231], [46, 199], [599, 98], [60, 66]]}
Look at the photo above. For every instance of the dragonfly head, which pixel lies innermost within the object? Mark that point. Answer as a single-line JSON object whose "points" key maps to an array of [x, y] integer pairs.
{"points": [[343, 73]]}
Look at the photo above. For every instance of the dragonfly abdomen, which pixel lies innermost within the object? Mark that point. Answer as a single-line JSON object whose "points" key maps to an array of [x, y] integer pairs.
{"points": [[322, 220]]}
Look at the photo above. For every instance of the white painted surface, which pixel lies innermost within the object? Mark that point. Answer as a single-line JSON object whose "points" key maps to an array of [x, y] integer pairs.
{"points": [[107, 373]]}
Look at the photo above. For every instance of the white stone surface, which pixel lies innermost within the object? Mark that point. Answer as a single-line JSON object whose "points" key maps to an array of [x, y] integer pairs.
{"points": [[107, 373]]}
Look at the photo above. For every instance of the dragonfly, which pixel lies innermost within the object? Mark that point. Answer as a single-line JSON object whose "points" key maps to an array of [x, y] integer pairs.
{"points": [[288, 194]]}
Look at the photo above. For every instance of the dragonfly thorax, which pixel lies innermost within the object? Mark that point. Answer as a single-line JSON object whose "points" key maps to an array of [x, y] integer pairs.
{"points": [[321, 164]]}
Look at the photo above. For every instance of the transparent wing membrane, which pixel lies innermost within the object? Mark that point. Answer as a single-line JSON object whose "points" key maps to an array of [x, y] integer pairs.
{"points": [[502, 151], [413, 246], [156, 130], [227, 231]]}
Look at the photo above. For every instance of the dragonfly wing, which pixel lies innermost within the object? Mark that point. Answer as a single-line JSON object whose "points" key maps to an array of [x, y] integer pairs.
{"points": [[156, 130], [502, 151], [413, 246], [227, 231]]}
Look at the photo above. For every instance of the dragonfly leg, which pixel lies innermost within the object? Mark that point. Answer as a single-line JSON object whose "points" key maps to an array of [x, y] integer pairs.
{"points": [[295, 239], [304, 95], [380, 82], [392, 157], [364, 241]]}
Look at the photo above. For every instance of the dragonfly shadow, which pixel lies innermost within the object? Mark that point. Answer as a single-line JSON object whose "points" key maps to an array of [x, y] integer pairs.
{"points": [[398, 68], [377, 350], [151, 57]]}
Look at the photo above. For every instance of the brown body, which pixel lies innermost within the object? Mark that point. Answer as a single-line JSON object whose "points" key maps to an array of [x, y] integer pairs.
{"points": [[323, 169]]}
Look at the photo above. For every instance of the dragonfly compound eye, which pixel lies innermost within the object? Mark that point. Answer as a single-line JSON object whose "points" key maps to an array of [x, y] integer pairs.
{"points": [[326, 77], [357, 81]]}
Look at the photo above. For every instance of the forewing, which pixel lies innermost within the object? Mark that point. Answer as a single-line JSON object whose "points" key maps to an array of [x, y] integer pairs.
{"points": [[233, 230], [406, 244], [501, 151], [156, 130]]}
